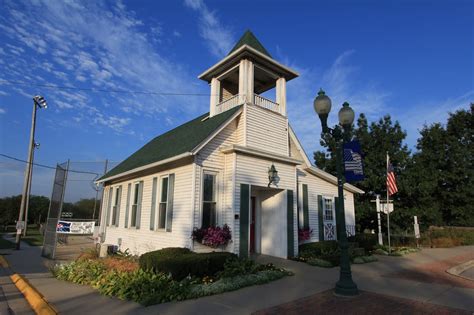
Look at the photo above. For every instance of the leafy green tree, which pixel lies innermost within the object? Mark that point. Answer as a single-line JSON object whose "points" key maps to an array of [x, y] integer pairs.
{"points": [[442, 174], [376, 140], [37, 209]]}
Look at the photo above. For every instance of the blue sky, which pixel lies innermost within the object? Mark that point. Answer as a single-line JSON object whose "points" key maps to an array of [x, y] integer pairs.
{"points": [[411, 59]]}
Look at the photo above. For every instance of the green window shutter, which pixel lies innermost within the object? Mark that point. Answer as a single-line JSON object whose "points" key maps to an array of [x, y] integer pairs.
{"points": [[290, 224], [244, 220], [127, 207], [139, 206], [117, 213], [153, 204], [109, 207], [320, 217], [169, 207], [305, 207]]}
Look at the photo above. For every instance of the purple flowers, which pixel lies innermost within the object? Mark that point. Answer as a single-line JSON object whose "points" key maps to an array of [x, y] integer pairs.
{"points": [[213, 236]]}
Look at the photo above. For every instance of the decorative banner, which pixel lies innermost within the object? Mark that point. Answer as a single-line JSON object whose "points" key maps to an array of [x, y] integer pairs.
{"points": [[353, 169], [66, 227]]}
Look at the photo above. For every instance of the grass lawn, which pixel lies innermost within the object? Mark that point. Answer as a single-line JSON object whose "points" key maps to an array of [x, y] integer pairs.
{"points": [[33, 236], [4, 244]]}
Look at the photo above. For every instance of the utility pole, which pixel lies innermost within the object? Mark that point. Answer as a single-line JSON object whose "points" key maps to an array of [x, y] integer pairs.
{"points": [[27, 206], [40, 102]]}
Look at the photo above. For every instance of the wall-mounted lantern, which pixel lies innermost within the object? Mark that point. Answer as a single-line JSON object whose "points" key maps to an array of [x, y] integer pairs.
{"points": [[272, 175]]}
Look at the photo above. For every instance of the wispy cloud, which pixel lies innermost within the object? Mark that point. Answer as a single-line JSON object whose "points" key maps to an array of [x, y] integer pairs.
{"points": [[429, 112], [340, 82], [2, 111], [218, 36], [99, 44]]}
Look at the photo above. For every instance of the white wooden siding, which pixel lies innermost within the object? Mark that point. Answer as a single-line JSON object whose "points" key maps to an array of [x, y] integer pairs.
{"points": [[266, 130], [294, 152], [211, 158], [254, 171], [318, 186], [142, 240]]}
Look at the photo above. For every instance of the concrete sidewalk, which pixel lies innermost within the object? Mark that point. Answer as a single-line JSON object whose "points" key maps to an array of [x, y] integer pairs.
{"points": [[70, 298]]}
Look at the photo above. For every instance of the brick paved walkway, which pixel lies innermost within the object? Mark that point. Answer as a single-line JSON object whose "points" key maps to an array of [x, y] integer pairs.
{"points": [[366, 303]]}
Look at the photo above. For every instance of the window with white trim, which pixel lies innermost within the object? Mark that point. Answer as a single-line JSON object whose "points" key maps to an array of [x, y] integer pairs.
{"points": [[136, 198], [115, 206], [328, 209], [209, 203], [163, 203]]}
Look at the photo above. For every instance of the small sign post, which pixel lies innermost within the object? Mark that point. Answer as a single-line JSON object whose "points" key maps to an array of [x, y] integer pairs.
{"points": [[377, 203], [20, 225], [416, 228]]}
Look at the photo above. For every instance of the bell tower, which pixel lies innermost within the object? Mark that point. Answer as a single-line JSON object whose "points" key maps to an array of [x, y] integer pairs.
{"points": [[244, 75]]}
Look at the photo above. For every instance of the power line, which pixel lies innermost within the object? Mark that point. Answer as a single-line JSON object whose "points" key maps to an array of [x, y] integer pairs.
{"points": [[63, 87], [45, 166]]}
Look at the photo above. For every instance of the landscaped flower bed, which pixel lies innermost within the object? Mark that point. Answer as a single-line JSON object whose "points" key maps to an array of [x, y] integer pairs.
{"points": [[213, 236], [327, 254], [395, 251], [126, 278]]}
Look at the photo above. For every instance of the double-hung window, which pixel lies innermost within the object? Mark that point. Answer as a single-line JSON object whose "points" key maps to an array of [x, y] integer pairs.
{"points": [[209, 216], [116, 206], [163, 203], [135, 204], [328, 209]]}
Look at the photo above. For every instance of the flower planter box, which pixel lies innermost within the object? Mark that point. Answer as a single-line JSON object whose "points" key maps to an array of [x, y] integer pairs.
{"points": [[199, 248]]}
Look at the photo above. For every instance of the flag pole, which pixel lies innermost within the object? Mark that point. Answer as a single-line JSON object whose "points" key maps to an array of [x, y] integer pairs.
{"points": [[388, 209]]}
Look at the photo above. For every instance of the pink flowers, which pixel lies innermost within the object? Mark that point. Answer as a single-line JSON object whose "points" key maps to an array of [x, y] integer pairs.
{"points": [[213, 236], [304, 234]]}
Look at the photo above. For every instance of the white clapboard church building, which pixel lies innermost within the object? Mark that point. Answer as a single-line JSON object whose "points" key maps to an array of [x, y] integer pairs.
{"points": [[214, 170]]}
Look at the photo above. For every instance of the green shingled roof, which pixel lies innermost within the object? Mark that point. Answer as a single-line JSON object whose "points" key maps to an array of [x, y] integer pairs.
{"points": [[249, 39], [177, 141]]}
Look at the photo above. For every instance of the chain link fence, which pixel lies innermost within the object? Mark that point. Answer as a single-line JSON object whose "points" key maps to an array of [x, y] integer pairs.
{"points": [[75, 203]]}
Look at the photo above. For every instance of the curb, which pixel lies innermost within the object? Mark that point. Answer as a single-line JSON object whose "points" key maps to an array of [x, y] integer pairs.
{"points": [[457, 270], [36, 300], [3, 262]]}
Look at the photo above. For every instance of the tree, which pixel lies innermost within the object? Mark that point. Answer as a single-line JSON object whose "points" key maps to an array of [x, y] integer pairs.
{"points": [[376, 140], [9, 207], [443, 172]]}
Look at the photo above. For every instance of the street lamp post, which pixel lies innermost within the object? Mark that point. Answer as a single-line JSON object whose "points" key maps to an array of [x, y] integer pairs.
{"points": [[38, 101], [340, 133]]}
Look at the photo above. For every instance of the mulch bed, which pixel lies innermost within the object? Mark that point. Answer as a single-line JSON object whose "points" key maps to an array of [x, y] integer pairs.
{"points": [[366, 303], [435, 272]]}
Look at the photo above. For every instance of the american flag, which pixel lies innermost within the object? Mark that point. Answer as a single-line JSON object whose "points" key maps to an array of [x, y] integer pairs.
{"points": [[391, 182]]}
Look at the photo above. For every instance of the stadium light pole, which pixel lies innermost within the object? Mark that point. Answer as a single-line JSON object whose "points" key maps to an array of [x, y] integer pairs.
{"points": [[340, 134], [38, 101]]}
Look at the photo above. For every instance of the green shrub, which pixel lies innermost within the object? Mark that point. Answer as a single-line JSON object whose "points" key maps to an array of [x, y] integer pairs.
{"points": [[319, 263], [230, 284], [451, 236], [147, 287], [357, 252], [83, 271], [180, 262], [235, 267], [364, 240], [368, 259], [358, 260], [380, 251], [396, 253], [316, 249], [400, 240]]}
